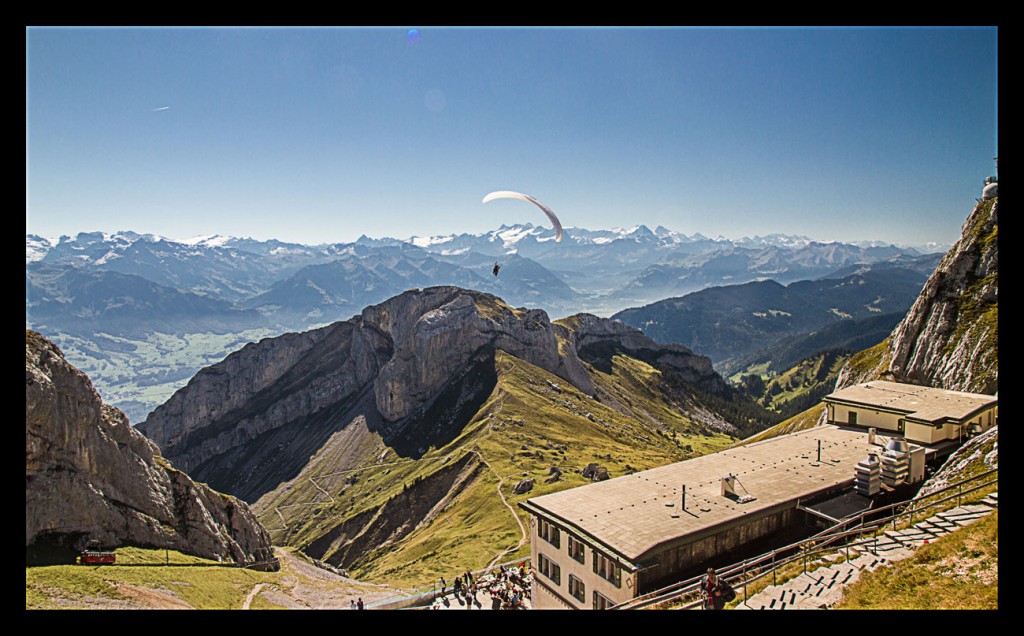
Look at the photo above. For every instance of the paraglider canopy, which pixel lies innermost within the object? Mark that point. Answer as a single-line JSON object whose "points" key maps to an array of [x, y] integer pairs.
{"points": [[508, 194]]}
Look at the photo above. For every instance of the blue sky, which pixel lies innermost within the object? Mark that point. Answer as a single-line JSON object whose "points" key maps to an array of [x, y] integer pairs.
{"points": [[323, 134]]}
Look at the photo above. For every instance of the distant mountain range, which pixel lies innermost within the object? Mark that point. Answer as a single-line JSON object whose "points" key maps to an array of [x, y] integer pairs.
{"points": [[156, 297], [843, 335], [948, 339], [600, 271], [734, 320]]}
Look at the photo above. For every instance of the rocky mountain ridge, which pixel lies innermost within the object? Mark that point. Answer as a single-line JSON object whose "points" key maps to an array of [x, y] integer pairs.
{"points": [[410, 369], [90, 478]]}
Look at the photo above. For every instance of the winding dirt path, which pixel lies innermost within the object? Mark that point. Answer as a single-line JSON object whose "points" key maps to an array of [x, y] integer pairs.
{"points": [[317, 486], [524, 536], [252, 594], [522, 529]]}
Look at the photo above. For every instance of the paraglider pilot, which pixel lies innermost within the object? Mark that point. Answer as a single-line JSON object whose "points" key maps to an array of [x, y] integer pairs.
{"points": [[496, 268]]}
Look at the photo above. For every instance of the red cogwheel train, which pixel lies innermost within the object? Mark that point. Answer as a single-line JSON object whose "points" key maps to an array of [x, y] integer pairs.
{"points": [[92, 555]]}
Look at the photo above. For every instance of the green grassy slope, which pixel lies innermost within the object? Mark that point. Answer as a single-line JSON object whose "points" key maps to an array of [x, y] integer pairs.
{"points": [[799, 387], [142, 579], [442, 514]]}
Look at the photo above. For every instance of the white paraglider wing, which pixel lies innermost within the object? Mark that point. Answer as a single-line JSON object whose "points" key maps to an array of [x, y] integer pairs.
{"points": [[508, 194]]}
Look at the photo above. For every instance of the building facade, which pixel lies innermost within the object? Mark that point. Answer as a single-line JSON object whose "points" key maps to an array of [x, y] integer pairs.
{"points": [[573, 571]]}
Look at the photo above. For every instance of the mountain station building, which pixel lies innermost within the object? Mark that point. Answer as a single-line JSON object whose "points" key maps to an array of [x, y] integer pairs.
{"points": [[920, 414], [606, 543]]}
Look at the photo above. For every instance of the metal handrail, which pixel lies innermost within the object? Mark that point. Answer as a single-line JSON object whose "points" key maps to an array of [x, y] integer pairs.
{"points": [[800, 550]]}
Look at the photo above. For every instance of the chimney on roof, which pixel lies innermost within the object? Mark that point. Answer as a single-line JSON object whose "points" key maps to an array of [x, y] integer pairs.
{"points": [[729, 485]]}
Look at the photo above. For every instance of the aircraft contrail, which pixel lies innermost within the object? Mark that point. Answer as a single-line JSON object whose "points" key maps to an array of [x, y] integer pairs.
{"points": [[161, 108]]}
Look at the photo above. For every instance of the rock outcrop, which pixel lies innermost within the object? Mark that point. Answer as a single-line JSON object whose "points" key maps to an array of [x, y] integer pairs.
{"points": [[950, 335], [441, 329], [262, 387], [595, 472], [524, 486], [90, 478], [949, 338], [411, 369], [589, 331]]}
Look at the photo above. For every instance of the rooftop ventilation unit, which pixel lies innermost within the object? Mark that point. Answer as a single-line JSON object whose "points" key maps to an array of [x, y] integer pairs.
{"points": [[867, 478], [896, 462], [898, 444]]}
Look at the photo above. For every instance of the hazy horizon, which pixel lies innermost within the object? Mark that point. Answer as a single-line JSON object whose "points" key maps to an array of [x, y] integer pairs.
{"points": [[410, 239], [321, 135]]}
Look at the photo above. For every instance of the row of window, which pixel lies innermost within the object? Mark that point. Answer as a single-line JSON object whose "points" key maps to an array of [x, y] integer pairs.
{"points": [[577, 588], [604, 566]]}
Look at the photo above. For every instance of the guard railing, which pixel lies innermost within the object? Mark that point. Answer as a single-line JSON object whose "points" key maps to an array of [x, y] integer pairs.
{"points": [[686, 594]]}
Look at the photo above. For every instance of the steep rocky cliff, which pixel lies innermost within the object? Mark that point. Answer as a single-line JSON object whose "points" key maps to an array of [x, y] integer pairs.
{"points": [[949, 338], [412, 370], [90, 477]]}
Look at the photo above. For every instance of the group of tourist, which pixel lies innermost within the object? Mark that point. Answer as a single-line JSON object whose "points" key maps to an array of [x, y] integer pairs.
{"points": [[508, 588]]}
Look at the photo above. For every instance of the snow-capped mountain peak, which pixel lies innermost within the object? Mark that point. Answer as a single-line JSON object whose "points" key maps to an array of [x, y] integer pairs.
{"points": [[208, 240], [36, 247]]}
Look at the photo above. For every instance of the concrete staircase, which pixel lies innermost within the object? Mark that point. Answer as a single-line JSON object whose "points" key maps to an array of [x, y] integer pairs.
{"points": [[822, 587]]}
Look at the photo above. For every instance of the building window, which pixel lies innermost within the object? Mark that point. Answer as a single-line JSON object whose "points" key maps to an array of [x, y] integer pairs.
{"points": [[549, 568], [576, 549], [852, 418], [601, 602], [577, 589], [549, 532], [607, 568]]}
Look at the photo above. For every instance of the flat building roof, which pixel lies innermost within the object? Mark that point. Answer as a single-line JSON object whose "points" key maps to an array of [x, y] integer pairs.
{"points": [[634, 514], [918, 402]]}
